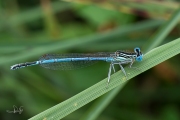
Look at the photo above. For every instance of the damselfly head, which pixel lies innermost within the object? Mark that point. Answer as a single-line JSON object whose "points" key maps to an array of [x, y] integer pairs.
{"points": [[139, 54]]}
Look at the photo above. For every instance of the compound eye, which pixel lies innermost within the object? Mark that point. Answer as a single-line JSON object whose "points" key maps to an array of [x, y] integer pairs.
{"points": [[139, 58], [137, 50], [138, 53]]}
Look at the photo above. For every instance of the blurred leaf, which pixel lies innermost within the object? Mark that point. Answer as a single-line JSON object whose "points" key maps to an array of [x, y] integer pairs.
{"points": [[170, 113], [96, 16], [32, 14], [163, 32], [151, 9]]}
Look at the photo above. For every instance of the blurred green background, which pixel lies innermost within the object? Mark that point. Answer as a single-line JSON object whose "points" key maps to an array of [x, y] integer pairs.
{"points": [[29, 29]]}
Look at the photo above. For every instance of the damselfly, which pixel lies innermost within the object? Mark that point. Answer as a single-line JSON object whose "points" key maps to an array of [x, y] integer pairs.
{"points": [[71, 61]]}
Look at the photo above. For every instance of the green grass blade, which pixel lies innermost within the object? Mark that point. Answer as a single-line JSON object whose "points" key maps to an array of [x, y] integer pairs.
{"points": [[101, 104], [163, 32], [33, 14], [151, 59], [153, 42]]}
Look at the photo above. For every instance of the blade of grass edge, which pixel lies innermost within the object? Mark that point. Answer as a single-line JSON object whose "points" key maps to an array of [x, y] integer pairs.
{"points": [[95, 110], [151, 59], [154, 41]]}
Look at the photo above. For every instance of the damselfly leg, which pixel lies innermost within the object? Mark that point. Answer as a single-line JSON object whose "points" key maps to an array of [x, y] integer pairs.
{"points": [[130, 66], [112, 67], [109, 73]]}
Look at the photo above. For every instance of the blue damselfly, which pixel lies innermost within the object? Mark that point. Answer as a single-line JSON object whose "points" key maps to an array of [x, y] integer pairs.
{"points": [[72, 61]]}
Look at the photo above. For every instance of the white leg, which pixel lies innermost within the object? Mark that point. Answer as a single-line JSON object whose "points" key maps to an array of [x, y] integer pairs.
{"points": [[130, 66], [122, 69], [113, 67], [109, 73]]}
